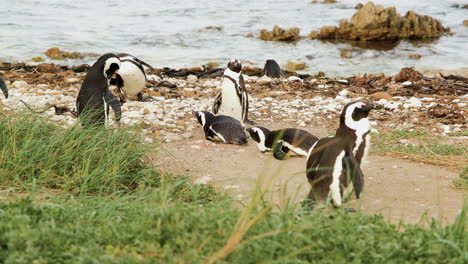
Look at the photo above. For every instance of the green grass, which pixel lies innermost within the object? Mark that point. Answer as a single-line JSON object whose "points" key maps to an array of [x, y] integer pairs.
{"points": [[462, 181], [141, 216], [390, 142]]}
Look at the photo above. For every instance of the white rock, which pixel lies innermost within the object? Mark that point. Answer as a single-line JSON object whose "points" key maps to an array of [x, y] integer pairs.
{"points": [[192, 78], [202, 180], [415, 102], [302, 124], [294, 78], [72, 80], [407, 83], [343, 81], [20, 85]]}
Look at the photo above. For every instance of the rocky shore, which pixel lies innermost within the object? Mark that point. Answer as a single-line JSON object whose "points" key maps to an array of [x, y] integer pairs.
{"points": [[371, 22], [407, 100]]}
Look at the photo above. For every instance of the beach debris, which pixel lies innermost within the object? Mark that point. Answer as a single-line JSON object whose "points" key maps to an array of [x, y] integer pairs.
{"points": [[374, 22], [280, 34], [408, 74]]}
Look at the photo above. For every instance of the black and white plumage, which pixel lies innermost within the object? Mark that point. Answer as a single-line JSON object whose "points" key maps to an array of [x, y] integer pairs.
{"points": [[334, 162], [94, 97], [272, 69], [220, 128], [282, 141], [131, 79], [4, 88], [233, 99]]}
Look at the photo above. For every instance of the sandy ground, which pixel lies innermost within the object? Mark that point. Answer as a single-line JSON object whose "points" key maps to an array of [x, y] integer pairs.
{"points": [[399, 189]]}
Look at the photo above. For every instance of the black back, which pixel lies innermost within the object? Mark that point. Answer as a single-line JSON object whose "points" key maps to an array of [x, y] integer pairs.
{"points": [[229, 128], [321, 161], [296, 137], [95, 91], [4, 88], [272, 69]]}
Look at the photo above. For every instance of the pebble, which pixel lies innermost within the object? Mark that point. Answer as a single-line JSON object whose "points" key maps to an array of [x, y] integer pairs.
{"points": [[202, 180], [20, 85], [192, 78]]}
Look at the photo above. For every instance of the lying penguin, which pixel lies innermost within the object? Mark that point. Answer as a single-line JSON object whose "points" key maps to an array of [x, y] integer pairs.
{"points": [[233, 99], [272, 69], [4, 88], [94, 97], [334, 162], [223, 129], [131, 78], [282, 141]]}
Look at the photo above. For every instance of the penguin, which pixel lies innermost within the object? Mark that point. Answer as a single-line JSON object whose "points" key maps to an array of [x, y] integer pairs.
{"points": [[4, 88], [282, 141], [131, 78], [272, 69], [233, 99], [220, 128], [94, 97], [335, 161]]}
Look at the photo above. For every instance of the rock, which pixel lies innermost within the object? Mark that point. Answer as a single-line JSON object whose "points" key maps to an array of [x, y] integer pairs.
{"points": [[415, 56], [211, 64], [374, 22], [346, 53], [279, 34], [146, 111], [215, 28], [294, 78], [20, 85], [192, 78], [57, 54], [358, 6], [415, 102], [72, 80], [381, 95], [37, 59], [408, 74], [202, 180], [189, 92], [314, 35], [329, 1], [48, 68], [295, 66], [320, 74], [465, 23], [250, 35]]}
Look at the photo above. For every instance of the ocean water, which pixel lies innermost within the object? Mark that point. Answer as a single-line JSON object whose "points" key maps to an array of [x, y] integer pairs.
{"points": [[172, 34]]}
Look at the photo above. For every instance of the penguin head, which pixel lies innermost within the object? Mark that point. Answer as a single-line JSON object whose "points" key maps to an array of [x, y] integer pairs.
{"points": [[235, 65], [202, 116], [354, 115], [111, 65], [259, 134]]}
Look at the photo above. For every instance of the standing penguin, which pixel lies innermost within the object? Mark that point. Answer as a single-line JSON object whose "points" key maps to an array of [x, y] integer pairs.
{"points": [[282, 141], [335, 161], [221, 128], [233, 100], [4, 88], [131, 79], [94, 97], [272, 69]]}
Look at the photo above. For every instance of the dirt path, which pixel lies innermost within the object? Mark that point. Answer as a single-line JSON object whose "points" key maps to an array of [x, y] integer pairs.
{"points": [[399, 189]]}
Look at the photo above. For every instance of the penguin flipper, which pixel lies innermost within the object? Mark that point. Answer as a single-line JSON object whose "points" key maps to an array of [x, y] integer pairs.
{"points": [[114, 103], [280, 151], [217, 103], [4, 88], [357, 177]]}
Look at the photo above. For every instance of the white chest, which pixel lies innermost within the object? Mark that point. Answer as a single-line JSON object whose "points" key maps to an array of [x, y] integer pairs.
{"points": [[133, 77], [231, 105]]}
